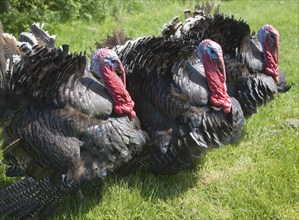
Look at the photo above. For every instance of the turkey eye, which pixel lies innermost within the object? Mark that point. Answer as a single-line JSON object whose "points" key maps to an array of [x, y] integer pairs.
{"points": [[272, 37], [105, 60], [114, 63], [213, 51]]}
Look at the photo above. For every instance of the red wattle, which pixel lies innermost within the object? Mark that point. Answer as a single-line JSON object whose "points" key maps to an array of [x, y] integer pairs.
{"points": [[271, 59], [123, 103], [123, 75], [272, 72], [216, 82]]}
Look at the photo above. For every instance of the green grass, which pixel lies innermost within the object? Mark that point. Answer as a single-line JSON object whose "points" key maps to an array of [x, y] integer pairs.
{"points": [[256, 178]]}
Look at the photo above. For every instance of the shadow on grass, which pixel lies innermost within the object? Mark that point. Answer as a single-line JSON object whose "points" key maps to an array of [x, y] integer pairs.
{"points": [[164, 187], [6, 181], [76, 205], [151, 187]]}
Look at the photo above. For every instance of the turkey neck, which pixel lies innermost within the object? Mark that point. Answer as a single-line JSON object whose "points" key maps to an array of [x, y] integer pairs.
{"points": [[123, 104], [216, 82], [113, 83], [271, 54]]}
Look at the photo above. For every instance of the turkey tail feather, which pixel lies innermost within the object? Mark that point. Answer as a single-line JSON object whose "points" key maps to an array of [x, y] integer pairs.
{"points": [[118, 38], [29, 197]]}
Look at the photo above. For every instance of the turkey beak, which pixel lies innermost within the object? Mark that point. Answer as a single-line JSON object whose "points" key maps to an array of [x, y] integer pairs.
{"points": [[121, 72], [219, 65], [274, 42], [276, 49]]}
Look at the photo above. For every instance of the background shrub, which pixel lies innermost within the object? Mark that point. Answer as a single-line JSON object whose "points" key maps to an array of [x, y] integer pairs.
{"points": [[17, 14]]}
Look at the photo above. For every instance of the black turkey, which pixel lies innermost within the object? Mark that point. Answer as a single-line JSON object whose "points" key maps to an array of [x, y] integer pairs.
{"points": [[181, 101], [60, 127], [251, 61]]}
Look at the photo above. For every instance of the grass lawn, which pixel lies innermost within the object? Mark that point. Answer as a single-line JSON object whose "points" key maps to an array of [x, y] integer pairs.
{"points": [[256, 178]]}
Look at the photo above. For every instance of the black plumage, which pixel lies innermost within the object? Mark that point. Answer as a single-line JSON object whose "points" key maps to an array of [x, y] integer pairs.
{"points": [[59, 130], [167, 81], [243, 53]]}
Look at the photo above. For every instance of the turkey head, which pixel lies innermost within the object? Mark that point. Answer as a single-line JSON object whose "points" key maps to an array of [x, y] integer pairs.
{"points": [[268, 36], [211, 55], [106, 64]]}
